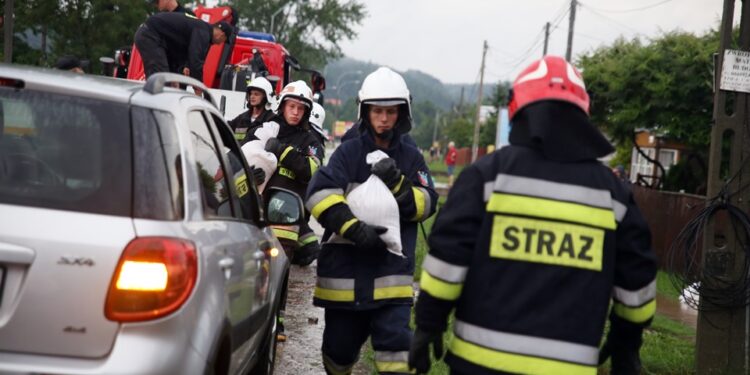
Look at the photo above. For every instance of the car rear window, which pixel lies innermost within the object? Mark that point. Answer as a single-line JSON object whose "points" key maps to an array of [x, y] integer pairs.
{"points": [[64, 152]]}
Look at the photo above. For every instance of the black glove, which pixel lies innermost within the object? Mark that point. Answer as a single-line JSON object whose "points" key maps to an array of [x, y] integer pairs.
{"points": [[259, 175], [623, 345], [366, 237], [419, 353], [275, 147], [387, 171]]}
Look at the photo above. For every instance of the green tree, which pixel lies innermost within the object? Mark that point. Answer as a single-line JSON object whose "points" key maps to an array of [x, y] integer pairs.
{"points": [[311, 31]]}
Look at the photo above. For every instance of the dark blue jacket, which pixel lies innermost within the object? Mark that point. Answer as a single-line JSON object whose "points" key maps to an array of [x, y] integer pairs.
{"points": [[351, 278]]}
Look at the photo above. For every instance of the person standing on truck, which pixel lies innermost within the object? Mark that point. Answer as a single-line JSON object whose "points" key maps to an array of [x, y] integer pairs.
{"points": [[365, 289], [259, 104], [170, 6], [178, 42], [533, 243]]}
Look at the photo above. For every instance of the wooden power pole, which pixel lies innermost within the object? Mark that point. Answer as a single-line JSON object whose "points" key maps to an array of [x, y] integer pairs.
{"points": [[475, 143], [546, 39], [571, 25], [723, 340]]}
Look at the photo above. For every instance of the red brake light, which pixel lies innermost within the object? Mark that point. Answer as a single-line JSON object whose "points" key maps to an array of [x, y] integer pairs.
{"points": [[154, 277]]}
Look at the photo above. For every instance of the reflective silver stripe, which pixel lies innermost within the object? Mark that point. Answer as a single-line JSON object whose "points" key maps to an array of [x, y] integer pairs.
{"points": [[488, 188], [336, 284], [318, 197], [427, 203], [443, 270], [351, 186], [392, 356], [635, 298], [506, 183], [527, 345], [337, 368], [620, 210], [394, 280]]}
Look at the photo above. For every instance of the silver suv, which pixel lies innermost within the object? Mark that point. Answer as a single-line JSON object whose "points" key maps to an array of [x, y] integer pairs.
{"points": [[132, 237]]}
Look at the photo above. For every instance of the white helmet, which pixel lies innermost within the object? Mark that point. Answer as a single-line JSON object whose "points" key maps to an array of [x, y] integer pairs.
{"points": [[317, 115], [297, 90], [261, 83], [384, 87]]}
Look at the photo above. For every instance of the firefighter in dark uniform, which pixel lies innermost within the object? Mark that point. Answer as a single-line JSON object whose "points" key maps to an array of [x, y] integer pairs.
{"points": [[259, 104], [533, 242], [178, 42], [299, 154], [366, 290]]}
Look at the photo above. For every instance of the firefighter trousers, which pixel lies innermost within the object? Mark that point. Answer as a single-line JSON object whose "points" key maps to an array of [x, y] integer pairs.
{"points": [[346, 330]]}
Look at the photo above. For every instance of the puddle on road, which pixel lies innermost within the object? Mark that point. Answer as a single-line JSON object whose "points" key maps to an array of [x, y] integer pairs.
{"points": [[676, 310]]}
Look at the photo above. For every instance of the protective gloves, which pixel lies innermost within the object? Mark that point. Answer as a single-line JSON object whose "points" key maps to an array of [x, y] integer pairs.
{"points": [[259, 175], [623, 344], [366, 237], [387, 171], [419, 353], [274, 146]]}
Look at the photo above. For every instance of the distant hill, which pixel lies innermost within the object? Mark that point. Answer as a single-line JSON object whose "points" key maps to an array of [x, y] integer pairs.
{"points": [[348, 74]]}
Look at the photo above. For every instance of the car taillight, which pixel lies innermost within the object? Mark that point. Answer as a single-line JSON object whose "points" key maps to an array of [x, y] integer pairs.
{"points": [[154, 277]]}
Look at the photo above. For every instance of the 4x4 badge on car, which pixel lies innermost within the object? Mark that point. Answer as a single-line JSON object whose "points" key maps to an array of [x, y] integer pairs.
{"points": [[73, 261]]}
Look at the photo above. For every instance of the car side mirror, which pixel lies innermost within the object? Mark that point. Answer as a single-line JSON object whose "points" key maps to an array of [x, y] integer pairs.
{"points": [[283, 207]]}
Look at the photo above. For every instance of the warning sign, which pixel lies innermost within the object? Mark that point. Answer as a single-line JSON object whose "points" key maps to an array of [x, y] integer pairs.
{"points": [[735, 72]]}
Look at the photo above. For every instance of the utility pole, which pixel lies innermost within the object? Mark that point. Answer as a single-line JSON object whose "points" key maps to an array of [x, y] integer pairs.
{"points": [[475, 143], [571, 25], [435, 128], [546, 39], [723, 341], [8, 31]]}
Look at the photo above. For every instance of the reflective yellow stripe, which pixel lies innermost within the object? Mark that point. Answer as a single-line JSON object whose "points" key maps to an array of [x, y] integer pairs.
{"points": [[636, 314], [346, 226], [419, 199], [399, 367], [552, 209], [515, 363], [285, 234], [287, 173], [439, 288], [285, 153], [239, 136], [241, 184], [326, 203], [402, 291], [398, 186], [308, 239], [313, 166], [334, 294]]}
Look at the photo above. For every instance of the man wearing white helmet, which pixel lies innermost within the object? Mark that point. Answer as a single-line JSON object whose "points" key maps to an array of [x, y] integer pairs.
{"points": [[317, 118], [259, 104], [366, 290]]}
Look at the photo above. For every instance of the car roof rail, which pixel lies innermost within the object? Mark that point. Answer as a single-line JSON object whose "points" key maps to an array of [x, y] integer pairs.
{"points": [[155, 84]]}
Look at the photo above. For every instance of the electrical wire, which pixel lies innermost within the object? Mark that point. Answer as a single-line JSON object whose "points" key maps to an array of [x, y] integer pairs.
{"points": [[632, 9], [707, 286], [610, 19]]}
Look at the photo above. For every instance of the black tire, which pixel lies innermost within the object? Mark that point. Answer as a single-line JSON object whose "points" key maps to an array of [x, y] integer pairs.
{"points": [[267, 356]]}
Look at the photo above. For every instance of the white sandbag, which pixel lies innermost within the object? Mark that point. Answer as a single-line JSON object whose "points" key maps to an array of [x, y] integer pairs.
{"points": [[268, 130], [373, 203], [258, 157]]}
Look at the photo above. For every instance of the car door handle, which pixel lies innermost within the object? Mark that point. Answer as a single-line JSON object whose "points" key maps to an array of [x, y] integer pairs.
{"points": [[259, 255]]}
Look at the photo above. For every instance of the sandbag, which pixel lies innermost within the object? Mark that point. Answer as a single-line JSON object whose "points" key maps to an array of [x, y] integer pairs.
{"points": [[257, 156], [373, 203]]}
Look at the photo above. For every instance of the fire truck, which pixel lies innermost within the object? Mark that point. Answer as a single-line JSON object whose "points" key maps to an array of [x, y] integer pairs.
{"points": [[229, 66]]}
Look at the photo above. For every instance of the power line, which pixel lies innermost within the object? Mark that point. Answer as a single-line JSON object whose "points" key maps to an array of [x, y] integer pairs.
{"points": [[609, 18], [632, 9]]}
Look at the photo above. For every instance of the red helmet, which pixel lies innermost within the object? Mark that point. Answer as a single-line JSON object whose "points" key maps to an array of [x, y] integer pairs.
{"points": [[551, 78]]}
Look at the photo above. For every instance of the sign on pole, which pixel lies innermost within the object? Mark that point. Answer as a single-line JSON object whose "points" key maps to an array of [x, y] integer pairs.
{"points": [[735, 72]]}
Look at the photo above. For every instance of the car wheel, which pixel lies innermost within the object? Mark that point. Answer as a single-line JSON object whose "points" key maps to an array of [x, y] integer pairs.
{"points": [[267, 356]]}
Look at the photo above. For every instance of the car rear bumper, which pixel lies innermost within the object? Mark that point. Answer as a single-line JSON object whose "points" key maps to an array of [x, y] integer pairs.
{"points": [[132, 353]]}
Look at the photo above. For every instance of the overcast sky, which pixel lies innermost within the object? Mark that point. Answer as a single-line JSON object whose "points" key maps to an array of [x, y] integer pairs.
{"points": [[444, 37]]}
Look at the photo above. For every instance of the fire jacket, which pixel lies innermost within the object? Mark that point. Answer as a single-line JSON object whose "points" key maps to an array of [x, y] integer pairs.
{"points": [[529, 252], [349, 277], [186, 40], [243, 124]]}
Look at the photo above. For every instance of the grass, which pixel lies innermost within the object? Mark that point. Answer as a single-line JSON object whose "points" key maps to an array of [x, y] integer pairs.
{"points": [[439, 170]]}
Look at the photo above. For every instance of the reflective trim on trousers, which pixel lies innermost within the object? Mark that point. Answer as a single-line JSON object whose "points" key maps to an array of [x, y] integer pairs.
{"points": [[548, 349], [335, 368], [397, 362]]}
